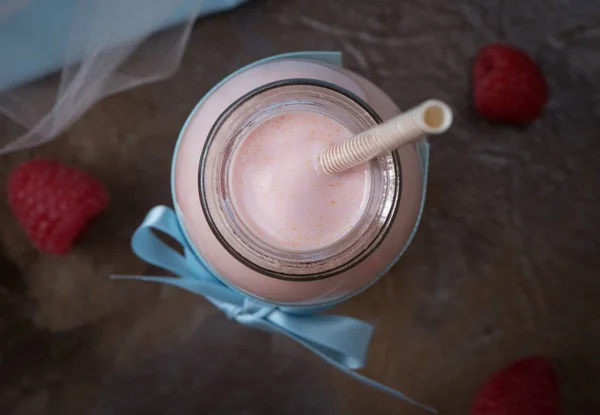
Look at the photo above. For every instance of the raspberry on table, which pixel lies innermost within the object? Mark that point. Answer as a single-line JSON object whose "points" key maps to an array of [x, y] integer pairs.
{"points": [[528, 386], [508, 86], [54, 203]]}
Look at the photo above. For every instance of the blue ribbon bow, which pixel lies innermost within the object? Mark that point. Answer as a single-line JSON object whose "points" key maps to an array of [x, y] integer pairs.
{"points": [[342, 341]]}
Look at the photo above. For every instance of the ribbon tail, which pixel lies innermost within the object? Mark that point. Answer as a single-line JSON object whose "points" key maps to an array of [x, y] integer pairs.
{"points": [[194, 286], [325, 354], [165, 280], [340, 341], [213, 292], [344, 339], [395, 393]]}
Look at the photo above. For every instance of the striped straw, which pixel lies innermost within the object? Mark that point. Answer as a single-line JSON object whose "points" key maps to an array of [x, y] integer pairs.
{"points": [[430, 117]]}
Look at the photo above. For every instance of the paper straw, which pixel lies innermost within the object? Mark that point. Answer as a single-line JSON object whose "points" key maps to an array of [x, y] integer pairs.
{"points": [[430, 117]]}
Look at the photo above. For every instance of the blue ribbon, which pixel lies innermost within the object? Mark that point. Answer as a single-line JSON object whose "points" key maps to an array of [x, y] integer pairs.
{"points": [[342, 341]]}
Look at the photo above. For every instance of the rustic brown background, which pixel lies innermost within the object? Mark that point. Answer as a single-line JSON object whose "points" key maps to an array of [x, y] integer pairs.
{"points": [[506, 262]]}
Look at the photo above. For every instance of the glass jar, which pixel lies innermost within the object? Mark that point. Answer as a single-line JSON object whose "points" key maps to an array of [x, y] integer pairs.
{"points": [[236, 254]]}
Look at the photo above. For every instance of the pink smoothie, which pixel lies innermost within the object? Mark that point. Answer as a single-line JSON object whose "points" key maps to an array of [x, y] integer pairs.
{"points": [[280, 195]]}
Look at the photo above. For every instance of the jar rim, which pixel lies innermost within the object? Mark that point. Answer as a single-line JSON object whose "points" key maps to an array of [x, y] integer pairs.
{"points": [[389, 219]]}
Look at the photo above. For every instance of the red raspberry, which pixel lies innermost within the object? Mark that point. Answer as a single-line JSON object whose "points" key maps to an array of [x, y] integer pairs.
{"points": [[508, 86], [54, 203], [528, 386]]}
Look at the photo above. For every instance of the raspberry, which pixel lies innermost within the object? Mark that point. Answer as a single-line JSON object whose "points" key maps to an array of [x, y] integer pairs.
{"points": [[528, 386], [508, 86], [54, 203]]}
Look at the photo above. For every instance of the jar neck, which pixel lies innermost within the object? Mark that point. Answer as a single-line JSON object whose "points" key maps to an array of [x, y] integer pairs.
{"points": [[234, 125]]}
